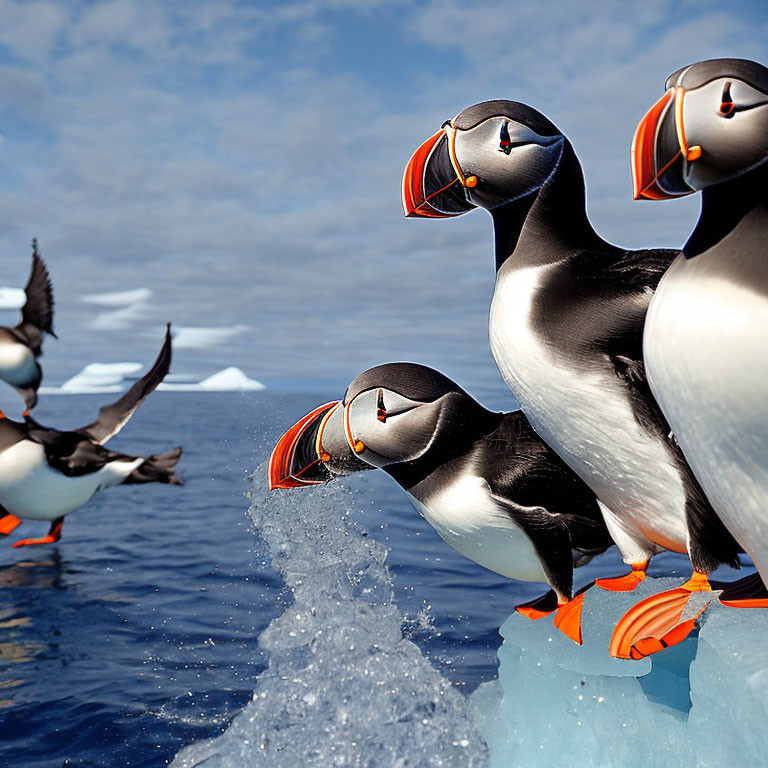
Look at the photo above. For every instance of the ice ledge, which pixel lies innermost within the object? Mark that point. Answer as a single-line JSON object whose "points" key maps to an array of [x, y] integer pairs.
{"points": [[701, 704]]}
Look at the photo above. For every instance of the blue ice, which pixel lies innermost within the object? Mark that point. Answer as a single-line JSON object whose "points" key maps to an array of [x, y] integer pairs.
{"points": [[702, 704]]}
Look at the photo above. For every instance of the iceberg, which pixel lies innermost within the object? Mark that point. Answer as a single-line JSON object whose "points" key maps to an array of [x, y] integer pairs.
{"points": [[343, 685], [98, 378], [230, 379], [701, 704]]}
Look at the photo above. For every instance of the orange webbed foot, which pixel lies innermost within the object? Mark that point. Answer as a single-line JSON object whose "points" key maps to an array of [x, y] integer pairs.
{"points": [[540, 607], [54, 534], [568, 618], [657, 621], [8, 523], [624, 583]]}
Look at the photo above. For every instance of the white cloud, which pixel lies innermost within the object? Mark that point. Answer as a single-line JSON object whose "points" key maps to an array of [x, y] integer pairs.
{"points": [[238, 159]]}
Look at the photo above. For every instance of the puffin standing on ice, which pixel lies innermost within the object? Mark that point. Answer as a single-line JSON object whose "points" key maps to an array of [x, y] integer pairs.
{"points": [[566, 327], [21, 345], [705, 341], [485, 481], [45, 473]]}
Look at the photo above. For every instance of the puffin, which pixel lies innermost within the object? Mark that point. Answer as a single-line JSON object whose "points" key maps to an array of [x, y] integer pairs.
{"points": [[704, 344], [47, 473], [566, 328], [21, 345], [485, 481]]}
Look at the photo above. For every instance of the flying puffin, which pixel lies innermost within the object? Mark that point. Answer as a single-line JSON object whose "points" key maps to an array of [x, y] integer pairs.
{"points": [[46, 473], [485, 481], [21, 345], [566, 327], [705, 336]]}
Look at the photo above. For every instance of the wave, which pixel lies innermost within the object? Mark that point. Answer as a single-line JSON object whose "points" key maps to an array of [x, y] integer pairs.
{"points": [[343, 685]]}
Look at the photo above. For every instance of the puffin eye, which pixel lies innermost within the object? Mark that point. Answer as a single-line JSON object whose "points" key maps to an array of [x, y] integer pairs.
{"points": [[727, 107], [381, 413]]}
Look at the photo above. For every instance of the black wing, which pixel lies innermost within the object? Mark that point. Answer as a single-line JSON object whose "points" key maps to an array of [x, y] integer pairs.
{"points": [[112, 418], [641, 270], [550, 503], [37, 312], [550, 539], [633, 279], [520, 467], [71, 453]]}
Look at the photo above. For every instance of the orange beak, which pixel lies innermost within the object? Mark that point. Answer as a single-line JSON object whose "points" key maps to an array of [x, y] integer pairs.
{"points": [[286, 468], [644, 176], [415, 199], [660, 150]]}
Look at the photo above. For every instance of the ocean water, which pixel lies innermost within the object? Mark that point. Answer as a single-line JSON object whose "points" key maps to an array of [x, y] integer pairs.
{"points": [[143, 629]]}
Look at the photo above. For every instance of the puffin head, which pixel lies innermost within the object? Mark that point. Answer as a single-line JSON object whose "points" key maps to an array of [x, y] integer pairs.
{"points": [[390, 414], [710, 126], [490, 154]]}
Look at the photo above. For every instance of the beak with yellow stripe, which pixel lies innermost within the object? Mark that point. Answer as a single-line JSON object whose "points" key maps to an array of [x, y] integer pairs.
{"points": [[490, 154], [707, 128]]}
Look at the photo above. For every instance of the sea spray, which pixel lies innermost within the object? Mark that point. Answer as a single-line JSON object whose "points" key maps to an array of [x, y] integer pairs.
{"points": [[343, 686]]}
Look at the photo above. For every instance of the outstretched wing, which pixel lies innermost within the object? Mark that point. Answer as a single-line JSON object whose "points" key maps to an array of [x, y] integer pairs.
{"points": [[37, 312], [112, 418]]}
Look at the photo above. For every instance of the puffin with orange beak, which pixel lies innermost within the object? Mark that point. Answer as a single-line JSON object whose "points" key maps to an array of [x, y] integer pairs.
{"points": [[485, 481], [705, 336], [566, 328], [47, 473]]}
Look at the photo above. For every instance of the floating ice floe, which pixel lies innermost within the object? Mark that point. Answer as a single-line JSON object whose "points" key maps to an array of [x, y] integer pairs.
{"points": [[202, 337], [230, 379], [701, 704], [116, 377], [343, 686], [12, 298], [96, 377]]}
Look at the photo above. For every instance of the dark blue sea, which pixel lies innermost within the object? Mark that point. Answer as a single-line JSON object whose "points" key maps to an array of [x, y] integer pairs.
{"points": [[139, 632]]}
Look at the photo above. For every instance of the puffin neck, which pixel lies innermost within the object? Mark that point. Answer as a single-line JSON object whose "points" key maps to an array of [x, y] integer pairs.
{"points": [[548, 224], [727, 206], [455, 434]]}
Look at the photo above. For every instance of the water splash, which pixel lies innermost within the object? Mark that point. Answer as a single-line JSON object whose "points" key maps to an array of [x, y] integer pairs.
{"points": [[343, 687]]}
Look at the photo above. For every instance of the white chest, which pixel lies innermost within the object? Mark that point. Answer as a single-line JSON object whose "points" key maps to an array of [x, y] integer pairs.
{"points": [[706, 348], [17, 363], [466, 517], [586, 417], [29, 487]]}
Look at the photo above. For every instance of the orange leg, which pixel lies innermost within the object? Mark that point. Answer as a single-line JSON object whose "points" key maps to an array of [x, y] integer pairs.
{"points": [[657, 622], [8, 523], [54, 534], [540, 607], [624, 583], [749, 592]]}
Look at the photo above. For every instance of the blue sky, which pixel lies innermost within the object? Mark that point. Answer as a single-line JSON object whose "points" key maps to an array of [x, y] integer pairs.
{"points": [[242, 161]]}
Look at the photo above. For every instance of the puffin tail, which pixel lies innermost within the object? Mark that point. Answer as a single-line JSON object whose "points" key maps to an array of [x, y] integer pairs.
{"points": [[157, 468]]}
